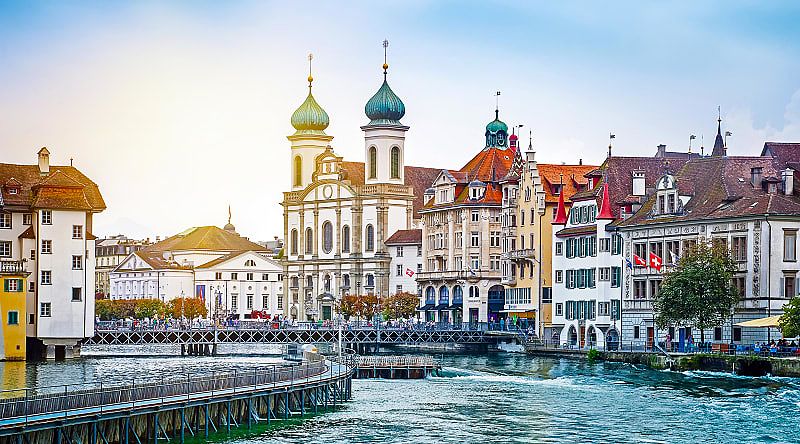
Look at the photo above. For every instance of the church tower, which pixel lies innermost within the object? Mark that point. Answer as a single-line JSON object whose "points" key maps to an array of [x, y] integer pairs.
{"points": [[384, 135], [309, 139]]}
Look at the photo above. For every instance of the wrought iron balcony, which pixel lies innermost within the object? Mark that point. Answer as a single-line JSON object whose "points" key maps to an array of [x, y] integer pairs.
{"points": [[12, 267], [526, 253]]}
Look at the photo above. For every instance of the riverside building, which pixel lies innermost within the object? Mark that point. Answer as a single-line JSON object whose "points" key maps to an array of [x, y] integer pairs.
{"points": [[405, 248], [232, 275], [47, 258], [338, 214], [109, 252]]}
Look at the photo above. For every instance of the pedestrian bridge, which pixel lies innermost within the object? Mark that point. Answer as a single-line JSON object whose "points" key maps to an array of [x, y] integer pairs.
{"points": [[359, 335]]}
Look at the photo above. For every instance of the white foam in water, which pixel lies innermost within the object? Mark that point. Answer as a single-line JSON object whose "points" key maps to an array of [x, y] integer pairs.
{"points": [[519, 380]]}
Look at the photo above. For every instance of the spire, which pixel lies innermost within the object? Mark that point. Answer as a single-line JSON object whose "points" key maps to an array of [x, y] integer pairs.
{"points": [[561, 212], [310, 118], [719, 143], [384, 107], [605, 205], [229, 226]]}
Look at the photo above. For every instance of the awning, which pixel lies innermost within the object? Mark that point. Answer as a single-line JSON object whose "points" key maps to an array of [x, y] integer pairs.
{"points": [[425, 307], [771, 321], [517, 311], [442, 307], [457, 305]]}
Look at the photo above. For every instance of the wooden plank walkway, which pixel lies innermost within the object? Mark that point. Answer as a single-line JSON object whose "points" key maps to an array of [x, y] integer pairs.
{"points": [[395, 367]]}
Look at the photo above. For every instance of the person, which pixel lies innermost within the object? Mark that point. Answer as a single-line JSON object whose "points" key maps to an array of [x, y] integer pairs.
{"points": [[668, 343]]}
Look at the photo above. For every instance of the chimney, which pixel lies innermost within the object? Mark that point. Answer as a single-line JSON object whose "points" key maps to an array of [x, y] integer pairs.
{"points": [[638, 183], [580, 161], [662, 151], [755, 177], [44, 162], [788, 181]]}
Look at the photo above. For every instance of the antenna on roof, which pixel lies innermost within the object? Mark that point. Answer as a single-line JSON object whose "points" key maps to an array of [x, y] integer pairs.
{"points": [[497, 105], [610, 138], [691, 137], [70, 159], [702, 145]]}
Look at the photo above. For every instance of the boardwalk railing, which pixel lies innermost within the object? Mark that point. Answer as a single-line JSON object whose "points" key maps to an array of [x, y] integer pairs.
{"points": [[395, 361], [57, 402]]}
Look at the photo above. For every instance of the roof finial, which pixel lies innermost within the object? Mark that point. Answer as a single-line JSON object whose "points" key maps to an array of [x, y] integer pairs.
{"points": [[611, 137], [702, 145], [385, 63], [229, 213], [497, 105], [691, 137], [530, 140], [310, 77]]}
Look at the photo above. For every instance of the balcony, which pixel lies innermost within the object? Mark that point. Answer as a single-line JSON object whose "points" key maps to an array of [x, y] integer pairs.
{"points": [[454, 275], [527, 253], [508, 280], [12, 267]]}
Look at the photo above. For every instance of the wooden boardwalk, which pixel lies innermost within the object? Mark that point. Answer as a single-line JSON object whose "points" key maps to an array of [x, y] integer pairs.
{"points": [[395, 367]]}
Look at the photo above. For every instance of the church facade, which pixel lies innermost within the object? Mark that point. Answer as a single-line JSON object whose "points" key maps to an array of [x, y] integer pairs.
{"points": [[338, 214]]}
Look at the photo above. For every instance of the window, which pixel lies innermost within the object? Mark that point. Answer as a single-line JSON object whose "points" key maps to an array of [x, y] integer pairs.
{"points": [[654, 286], [47, 217], [616, 276], [559, 276], [559, 248], [419, 268], [419, 250], [474, 216], [249, 301], [13, 318], [459, 240], [494, 239], [636, 332], [234, 302], [475, 262], [45, 309], [47, 247], [265, 302], [46, 278], [234, 276], [250, 263], [474, 239], [77, 262], [370, 238], [346, 239], [790, 245], [294, 241], [737, 334], [559, 309], [249, 276], [12, 285], [570, 279], [657, 248], [370, 281], [5, 220], [604, 244], [602, 309], [605, 274], [739, 283], [789, 286], [717, 333], [399, 252], [77, 231], [615, 310], [592, 246], [77, 294], [616, 244], [327, 237], [218, 276], [309, 241], [739, 248], [494, 262], [298, 171], [640, 289], [399, 270], [395, 162], [27, 219], [5, 248], [264, 276], [640, 249], [373, 162]]}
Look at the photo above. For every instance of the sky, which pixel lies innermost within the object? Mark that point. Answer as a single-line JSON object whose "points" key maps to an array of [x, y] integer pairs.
{"points": [[179, 109]]}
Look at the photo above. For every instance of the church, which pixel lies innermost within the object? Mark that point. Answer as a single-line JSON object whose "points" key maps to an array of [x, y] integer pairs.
{"points": [[338, 214]]}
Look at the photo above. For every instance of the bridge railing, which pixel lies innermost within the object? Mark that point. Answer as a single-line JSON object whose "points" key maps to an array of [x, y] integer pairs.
{"points": [[332, 326], [62, 401]]}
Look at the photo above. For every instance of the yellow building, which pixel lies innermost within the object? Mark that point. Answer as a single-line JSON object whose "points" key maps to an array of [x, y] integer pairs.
{"points": [[527, 268], [12, 308]]}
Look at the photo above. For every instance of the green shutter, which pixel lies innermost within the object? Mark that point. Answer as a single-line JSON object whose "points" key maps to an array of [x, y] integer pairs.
{"points": [[5, 284]]}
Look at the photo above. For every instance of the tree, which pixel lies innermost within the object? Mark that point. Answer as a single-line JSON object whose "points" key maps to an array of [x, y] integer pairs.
{"points": [[699, 291], [369, 306], [104, 309], [790, 319], [149, 308], [187, 307], [350, 305], [400, 305]]}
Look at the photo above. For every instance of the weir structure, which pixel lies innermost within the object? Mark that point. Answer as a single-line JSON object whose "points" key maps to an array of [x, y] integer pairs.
{"points": [[172, 409]]}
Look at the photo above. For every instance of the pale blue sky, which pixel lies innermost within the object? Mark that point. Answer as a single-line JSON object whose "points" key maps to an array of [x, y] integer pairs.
{"points": [[178, 108]]}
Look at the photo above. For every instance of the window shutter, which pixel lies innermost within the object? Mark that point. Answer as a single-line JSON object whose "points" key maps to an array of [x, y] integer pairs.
{"points": [[783, 286], [19, 285], [5, 284]]}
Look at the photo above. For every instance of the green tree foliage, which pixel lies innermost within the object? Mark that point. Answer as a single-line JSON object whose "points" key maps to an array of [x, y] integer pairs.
{"points": [[370, 306], [400, 306], [149, 308], [189, 308], [790, 319], [108, 309], [699, 292]]}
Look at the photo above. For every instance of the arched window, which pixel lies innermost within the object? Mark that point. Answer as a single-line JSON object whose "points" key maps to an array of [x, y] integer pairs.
{"points": [[326, 282], [430, 295], [346, 280], [395, 162], [249, 263], [327, 237], [309, 241], [370, 239], [444, 295], [370, 281], [310, 281], [346, 239], [294, 241], [298, 171], [373, 162], [458, 294], [295, 282]]}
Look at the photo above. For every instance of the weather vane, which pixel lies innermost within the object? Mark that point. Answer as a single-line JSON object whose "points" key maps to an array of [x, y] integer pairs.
{"points": [[385, 63], [310, 77]]}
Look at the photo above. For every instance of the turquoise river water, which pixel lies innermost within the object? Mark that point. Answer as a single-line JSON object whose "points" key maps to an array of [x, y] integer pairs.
{"points": [[501, 398]]}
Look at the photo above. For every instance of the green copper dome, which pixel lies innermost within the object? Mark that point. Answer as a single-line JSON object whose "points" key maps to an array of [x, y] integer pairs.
{"points": [[496, 132], [496, 125], [310, 118], [385, 107]]}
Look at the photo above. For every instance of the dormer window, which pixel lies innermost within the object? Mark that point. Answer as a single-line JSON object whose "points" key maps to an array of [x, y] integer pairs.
{"points": [[13, 190], [557, 189]]}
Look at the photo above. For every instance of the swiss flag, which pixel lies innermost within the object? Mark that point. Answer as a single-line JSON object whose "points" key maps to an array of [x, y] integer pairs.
{"points": [[655, 261], [638, 261], [409, 272]]}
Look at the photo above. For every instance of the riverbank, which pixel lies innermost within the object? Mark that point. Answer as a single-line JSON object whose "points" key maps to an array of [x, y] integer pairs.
{"points": [[742, 365]]}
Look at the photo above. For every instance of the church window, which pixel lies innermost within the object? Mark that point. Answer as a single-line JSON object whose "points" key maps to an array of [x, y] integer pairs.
{"points": [[309, 241], [294, 241], [370, 281], [370, 238], [327, 237], [395, 162], [346, 239], [326, 282], [298, 171], [373, 162]]}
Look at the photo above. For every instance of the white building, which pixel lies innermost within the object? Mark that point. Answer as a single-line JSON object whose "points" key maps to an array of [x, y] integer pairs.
{"points": [[339, 214], [109, 252], [405, 249], [46, 219], [231, 274]]}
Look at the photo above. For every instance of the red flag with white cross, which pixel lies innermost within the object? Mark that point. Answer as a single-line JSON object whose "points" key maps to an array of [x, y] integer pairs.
{"points": [[655, 261], [409, 272]]}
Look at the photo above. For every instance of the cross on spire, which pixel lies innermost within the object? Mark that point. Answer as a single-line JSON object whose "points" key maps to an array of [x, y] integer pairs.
{"points": [[497, 105], [310, 77], [385, 62]]}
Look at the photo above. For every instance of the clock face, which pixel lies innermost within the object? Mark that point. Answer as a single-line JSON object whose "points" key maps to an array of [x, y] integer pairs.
{"points": [[501, 139]]}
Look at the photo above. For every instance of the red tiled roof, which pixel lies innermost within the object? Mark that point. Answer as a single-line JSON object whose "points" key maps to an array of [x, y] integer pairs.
{"points": [[65, 187], [782, 152], [419, 178], [574, 176], [489, 165], [405, 237]]}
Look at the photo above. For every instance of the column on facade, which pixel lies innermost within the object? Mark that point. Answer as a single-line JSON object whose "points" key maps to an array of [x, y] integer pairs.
{"points": [[465, 238], [485, 233], [317, 234], [301, 232], [451, 242]]}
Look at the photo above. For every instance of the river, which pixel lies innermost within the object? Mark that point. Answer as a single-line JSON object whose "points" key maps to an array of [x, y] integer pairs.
{"points": [[497, 398]]}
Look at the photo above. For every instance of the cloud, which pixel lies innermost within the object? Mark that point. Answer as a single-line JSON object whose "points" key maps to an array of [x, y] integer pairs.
{"points": [[748, 137]]}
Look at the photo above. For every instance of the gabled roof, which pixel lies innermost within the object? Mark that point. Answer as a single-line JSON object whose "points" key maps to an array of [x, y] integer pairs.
{"points": [[782, 152], [574, 179], [65, 187], [208, 238], [234, 255], [405, 237]]}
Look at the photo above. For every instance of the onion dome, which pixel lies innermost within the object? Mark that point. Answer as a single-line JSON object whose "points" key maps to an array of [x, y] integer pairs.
{"points": [[496, 132], [385, 108], [310, 118], [496, 125]]}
